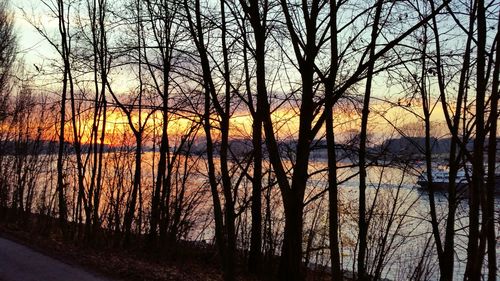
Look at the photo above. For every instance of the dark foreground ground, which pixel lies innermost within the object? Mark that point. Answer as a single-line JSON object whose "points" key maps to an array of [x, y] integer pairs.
{"points": [[28, 255], [20, 263], [33, 251]]}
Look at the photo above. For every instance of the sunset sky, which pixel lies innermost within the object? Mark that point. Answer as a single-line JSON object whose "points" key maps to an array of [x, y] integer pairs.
{"points": [[39, 56]]}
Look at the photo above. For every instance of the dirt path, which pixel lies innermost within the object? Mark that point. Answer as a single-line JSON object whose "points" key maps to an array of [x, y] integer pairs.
{"points": [[20, 263]]}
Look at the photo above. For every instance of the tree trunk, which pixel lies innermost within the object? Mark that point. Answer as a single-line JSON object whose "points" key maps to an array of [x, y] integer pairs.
{"points": [[160, 178], [474, 257], [291, 253], [63, 211], [362, 222], [333, 212], [254, 259], [489, 210], [129, 215], [259, 30]]}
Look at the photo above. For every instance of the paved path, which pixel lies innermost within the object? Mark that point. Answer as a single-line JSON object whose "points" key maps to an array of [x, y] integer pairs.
{"points": [[20, 263]]}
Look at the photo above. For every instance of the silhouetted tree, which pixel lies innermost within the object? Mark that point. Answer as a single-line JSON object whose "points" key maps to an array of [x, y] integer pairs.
{"points": [[8, 46]]}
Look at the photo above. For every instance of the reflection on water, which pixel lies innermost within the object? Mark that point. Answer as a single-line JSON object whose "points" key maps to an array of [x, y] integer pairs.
{"points": [[399, 237], [399, 214]]}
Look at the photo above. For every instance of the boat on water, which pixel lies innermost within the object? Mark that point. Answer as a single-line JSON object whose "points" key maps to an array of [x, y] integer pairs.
{"points": [[440, 181]]}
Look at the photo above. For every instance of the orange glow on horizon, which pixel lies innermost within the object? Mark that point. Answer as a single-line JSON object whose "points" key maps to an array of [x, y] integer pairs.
{"points": [[383, 117]]}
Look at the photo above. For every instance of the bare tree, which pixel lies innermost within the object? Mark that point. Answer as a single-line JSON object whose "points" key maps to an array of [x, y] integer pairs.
{"points": [[97, 13], [135, 107], [166, 34], [7, 57], [7, 53], [224, 220], [60, 10], [492, 180], [363, 224], [257, 14]]}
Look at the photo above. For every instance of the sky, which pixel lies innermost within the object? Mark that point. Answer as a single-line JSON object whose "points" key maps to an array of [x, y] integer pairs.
{"points": [[38, 54], [33, 48]]}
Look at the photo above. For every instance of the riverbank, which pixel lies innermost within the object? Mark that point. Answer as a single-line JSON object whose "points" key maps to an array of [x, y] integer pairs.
{"points": [[187, 261], [129, 265]]}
